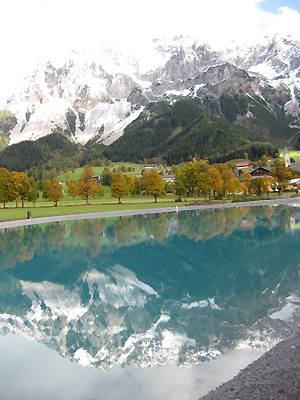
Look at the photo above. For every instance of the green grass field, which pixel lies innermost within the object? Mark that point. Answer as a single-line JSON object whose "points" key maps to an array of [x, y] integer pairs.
{"points": [[47, 209], [98, 171]]}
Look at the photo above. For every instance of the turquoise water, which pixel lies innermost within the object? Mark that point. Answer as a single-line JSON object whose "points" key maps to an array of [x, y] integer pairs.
{"points": [[152, 306]]}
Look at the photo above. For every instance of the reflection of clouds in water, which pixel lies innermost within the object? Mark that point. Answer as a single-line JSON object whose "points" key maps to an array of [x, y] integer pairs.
{"points": [[287, 312], [50, 376]]}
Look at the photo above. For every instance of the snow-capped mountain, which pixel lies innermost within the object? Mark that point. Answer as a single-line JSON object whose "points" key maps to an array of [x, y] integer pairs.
{"points": [[98, 94]]}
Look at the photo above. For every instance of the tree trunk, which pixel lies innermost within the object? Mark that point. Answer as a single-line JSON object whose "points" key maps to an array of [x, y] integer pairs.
{"points": [[155, 199], [87, 200]]}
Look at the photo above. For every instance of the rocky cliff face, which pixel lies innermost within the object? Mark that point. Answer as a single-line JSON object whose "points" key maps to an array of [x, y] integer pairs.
{"points": [[108, 89]]}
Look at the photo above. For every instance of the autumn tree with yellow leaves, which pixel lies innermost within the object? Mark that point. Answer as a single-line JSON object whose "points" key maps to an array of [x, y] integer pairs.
{"points": [[73, 189], [4, 181], [19, 187], [56, 191], [119, 187], [86, 184], [47, 186], [134, 185], [155, 185], [281, 175]]}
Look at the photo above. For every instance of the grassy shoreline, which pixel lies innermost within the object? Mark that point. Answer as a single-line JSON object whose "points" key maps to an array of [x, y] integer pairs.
{"points": [[46, 209], [19, 213]]}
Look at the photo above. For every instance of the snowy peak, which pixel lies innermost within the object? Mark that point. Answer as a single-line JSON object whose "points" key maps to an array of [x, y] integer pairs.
{"points": [[110, 87]]}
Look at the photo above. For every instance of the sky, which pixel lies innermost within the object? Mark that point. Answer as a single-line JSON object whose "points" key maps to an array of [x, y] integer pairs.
{"points": [[33, 30], [273, 6]]}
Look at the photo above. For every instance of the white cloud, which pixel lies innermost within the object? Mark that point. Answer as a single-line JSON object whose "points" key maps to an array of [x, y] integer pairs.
{"points": [[34, 29]]}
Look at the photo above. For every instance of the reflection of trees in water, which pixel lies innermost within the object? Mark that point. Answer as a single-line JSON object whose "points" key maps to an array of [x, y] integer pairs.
{"points": [[123, 230], [20, 244], [90, 232], [208, 224], [56, 233], [156, 225]]}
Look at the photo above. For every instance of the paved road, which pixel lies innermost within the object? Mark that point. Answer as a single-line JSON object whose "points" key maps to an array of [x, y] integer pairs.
{"points": [[107, 214]]}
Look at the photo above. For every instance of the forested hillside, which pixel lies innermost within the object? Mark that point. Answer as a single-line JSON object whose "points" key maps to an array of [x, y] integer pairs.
{"points": [[184, 130], [54, 148], [171, 133]]}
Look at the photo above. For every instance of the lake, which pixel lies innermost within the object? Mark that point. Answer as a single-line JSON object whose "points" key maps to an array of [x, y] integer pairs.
{"points": [[163, 306]]}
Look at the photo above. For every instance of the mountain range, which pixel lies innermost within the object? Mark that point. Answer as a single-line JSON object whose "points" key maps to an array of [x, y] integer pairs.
{"points": [[93, 97]]}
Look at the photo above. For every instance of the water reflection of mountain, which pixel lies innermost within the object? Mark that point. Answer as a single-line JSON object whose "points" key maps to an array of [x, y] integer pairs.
{"points": [[153, 289]]}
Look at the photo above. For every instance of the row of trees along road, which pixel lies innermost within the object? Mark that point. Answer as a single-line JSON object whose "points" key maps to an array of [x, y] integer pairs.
{"points": [[219, 179], [121, 185], [151, 182], [200, 177]]}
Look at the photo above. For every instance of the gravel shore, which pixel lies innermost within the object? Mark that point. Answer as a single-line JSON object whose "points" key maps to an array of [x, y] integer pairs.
{"points": [[274, 376]]}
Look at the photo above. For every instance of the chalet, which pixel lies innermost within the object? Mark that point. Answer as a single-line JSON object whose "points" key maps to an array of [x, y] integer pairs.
{"points": [[246, 224], [260, 171], [294, 183], [150, 166], [168, 178], [245, 164], [97, 178]]}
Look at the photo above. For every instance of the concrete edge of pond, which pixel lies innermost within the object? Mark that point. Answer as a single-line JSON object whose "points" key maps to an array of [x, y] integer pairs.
{"points": [[107, 214]]}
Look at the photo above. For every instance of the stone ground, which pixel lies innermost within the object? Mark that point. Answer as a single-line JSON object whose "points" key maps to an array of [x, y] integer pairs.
{"points": [[274, 376]]}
